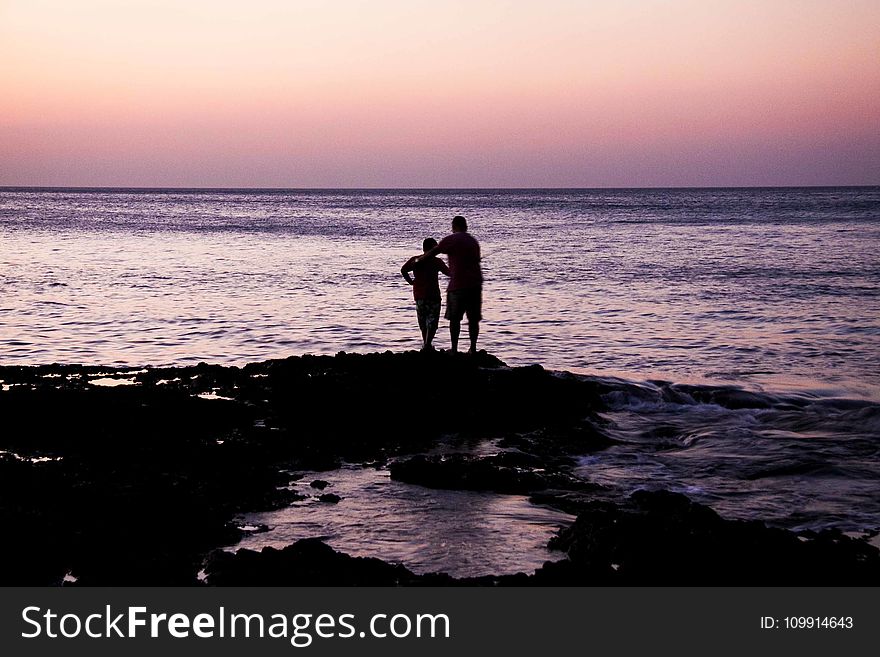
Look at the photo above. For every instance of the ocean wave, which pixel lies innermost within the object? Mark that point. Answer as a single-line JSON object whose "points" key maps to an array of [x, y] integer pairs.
{"points": [[800, 459]]}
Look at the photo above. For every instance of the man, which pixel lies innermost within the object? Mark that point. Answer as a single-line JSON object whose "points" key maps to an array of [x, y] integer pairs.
{"points": [[464, 296], [426, 290]]}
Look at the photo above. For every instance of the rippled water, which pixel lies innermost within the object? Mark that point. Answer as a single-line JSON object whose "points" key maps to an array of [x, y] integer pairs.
{"points": [[798, 460], [683, 284], [772, 290]]}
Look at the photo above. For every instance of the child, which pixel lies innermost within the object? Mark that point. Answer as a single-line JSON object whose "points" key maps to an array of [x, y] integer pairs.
{"points": [[426, 290]]}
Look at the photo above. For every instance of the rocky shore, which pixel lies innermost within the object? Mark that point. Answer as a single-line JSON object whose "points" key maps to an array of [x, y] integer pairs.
{"points": [[124, 477]]}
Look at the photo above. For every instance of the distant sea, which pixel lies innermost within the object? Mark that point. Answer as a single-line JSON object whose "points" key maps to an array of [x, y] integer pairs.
{"points": [[717, 284], [772, 290]]}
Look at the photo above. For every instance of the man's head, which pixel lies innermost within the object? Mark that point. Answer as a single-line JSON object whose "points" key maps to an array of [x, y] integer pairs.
{"points": [[428, 244], [459, 224]]}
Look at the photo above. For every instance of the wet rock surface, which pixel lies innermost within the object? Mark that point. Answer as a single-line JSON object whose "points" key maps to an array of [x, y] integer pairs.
{"points": [[129, 476], [556, 445], [664, 538], [311, 562], [308, 562], [133, 476]]}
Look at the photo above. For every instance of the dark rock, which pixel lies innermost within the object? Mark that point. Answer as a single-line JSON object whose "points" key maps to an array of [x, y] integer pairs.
{"points": [[320, 484], [330, 498], [150, 455], [144, 480], [663, 538], [557, 445], [308, 562]]}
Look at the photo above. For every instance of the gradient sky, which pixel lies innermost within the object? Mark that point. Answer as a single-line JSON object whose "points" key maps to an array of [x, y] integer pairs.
{"points": [[412, 93]]}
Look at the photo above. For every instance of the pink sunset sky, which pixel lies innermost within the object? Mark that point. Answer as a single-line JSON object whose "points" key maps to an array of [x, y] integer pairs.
{"points": [[405, 93]]}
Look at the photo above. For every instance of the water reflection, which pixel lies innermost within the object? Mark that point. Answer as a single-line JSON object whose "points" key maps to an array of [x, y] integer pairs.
{"points": [[462, 533]]}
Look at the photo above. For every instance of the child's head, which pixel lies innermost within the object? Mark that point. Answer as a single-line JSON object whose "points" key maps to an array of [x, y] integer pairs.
{"points": [[428, 244]]}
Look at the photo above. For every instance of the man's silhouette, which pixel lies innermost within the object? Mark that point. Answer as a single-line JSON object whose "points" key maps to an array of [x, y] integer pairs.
{"points": [[464, 296]]}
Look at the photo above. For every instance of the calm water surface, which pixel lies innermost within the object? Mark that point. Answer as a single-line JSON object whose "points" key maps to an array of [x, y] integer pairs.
{"points": [[728, 285], [462, 533]]}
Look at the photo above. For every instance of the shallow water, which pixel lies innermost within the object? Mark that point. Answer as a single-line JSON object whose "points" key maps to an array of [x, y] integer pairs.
{"points": [[461, 533]]}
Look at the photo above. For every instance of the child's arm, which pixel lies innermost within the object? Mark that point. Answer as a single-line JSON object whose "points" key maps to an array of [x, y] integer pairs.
{"points": [[406, 269], [443, 267]]}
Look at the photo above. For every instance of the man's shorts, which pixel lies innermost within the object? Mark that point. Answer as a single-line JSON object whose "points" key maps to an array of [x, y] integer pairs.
{"points": [[468, 301]]}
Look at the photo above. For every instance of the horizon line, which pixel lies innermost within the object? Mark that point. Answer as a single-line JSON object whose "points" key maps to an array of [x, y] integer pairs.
{"points": [[362, 189]]}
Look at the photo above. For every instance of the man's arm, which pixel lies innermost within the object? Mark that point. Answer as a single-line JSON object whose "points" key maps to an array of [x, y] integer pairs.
{"points": [[407, 268], [442, 247], [443, 267], [429, 254]]}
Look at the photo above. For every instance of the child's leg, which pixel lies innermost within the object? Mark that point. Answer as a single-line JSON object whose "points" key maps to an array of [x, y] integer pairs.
{"points": [[432, 319]]}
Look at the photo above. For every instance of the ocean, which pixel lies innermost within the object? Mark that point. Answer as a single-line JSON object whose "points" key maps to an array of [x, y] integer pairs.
{"points": [[725, 284], [671, 293]]}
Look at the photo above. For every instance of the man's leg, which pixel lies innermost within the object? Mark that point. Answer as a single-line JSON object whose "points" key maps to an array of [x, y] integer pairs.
{"points": [[474, 315], [454, 331], [474, 333], [454, 313]]}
